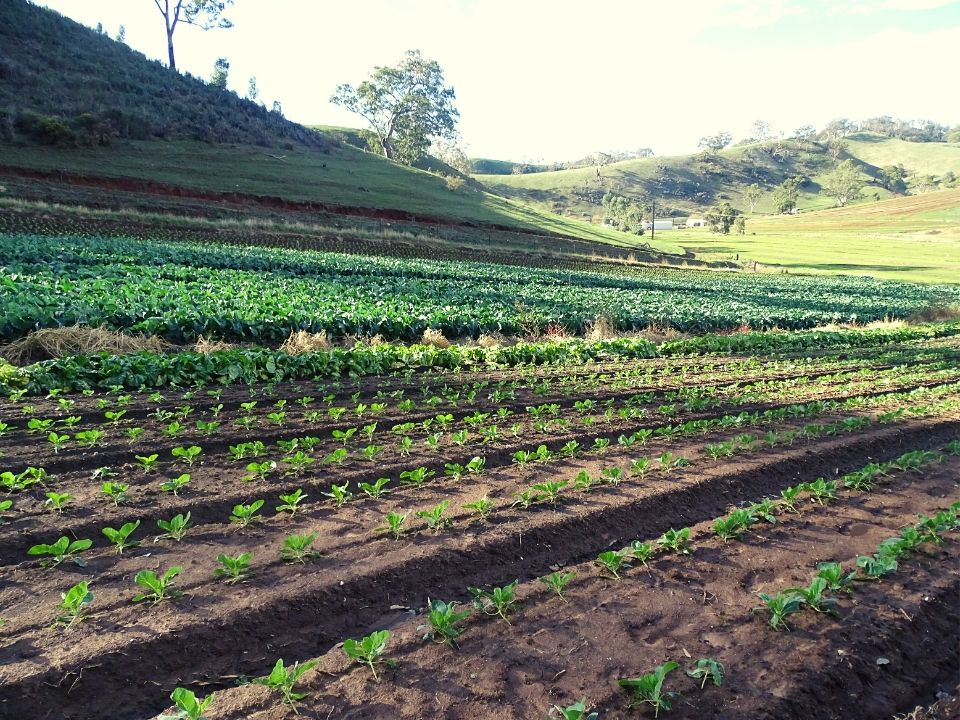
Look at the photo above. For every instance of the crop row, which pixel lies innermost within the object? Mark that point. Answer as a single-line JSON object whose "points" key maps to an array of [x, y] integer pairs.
{"points": [[181, 291]]}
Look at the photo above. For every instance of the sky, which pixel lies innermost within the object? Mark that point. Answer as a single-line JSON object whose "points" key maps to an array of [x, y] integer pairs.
{"points": [[555, 80]]}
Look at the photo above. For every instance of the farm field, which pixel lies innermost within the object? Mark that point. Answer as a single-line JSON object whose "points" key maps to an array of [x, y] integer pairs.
{"points": [[914, 239], [675, 487]]}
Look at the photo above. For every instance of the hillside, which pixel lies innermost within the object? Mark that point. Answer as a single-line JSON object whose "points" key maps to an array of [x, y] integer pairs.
{"points": [[915, 238], [63, 114], [687, 184]]}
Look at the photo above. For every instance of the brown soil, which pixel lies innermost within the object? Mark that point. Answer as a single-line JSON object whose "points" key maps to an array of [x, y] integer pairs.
{"points": [[125, 659]]}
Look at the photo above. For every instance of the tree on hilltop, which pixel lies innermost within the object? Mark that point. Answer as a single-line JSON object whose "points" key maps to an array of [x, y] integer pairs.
{"points": [[844, 183], [204, 14], [406, 106]]}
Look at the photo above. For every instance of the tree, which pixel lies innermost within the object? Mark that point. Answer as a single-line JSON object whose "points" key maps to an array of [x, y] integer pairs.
{"points": [[805, 133], [121, 34], [844, 183], [753, 194], [761, 130], [720, 218], [204, 14], [741, 225], [253, 92], [221, 69], [406, 106], [837, 147], [453, 154], [786, 194], [892, 178], [715, 143], [622, 214], [922, 183]]}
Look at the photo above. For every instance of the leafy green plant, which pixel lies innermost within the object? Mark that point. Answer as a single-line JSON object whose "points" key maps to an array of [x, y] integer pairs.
{"points": [[57, 441], [525, 499], [648, 689], [158, 587], [550, 490], [121, 537], [175, 528], [832, 573], [417, 476], [340, 494], [291, 502], [558, 581], [175, 485], [482, 508], [284, 680], [369, 650], [875, 567], [676, 540], [394, 524], [57, 500], [641, 551], [377, 489], [443, 620], [496, 601], [243, 515], [813, 595], [233, 568], [147, 462], [296, 548], [63, 549], [612, 561], [189, 706], [75, 602], [434, 516], [577, 711], [640, 467], [780, 606], [707, 669], [115, 491], [734, 524], [821, 490], [789, 497]]}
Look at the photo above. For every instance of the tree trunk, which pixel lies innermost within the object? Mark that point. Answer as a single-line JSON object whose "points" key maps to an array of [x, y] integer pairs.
{"points": [[173, 62]]}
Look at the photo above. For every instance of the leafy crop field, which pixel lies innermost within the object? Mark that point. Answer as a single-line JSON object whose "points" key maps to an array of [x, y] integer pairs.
{"points": [[179, 291], [745, 526]]}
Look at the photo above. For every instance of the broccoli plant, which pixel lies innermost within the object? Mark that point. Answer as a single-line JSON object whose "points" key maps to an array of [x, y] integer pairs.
{"points": [[147, 462], [57, 441], [641, 551], [233, 568], [175, 485], [676, 540], [822, 491], [875, 567], [613, 561], [121, 537], [284, 680], [550, 491], [243, 515], [115, 491], [443, 620], [780, 606], [813, 595], [577, 711], [496, 601], [558, 581], [417, 476], [75, 602], [789, 497], [836, 580], [435, 518], [188, 455], [189, 706], [707, 669], [175, 528], [291, 502], [648, 689], [369, 650], [340, 494], [394, 524], [640, 467], [158, 587], [734, 524], [296, 548], [63, 549], [57, 500], [482, 508], [377, 489]]}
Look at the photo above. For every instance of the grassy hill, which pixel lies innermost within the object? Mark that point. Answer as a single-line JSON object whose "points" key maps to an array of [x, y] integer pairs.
{"points": [[75, 101], [914, 238], [687, 184]]}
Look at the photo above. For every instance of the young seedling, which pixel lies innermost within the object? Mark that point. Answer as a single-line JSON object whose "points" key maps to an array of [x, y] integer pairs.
{"points": [[482, 507], [394, 524], [291, 502], [434, 517], [259, 470], [525, 499], [75, 601], [613, 561], [648, 689], [377, 489], [175, 528], [640, 467], [497, 601], [550, 491], [642, 551], [340, 494], [233, 568], [188, 455], [789, 497], [57, 441], [558, 582], [243, 515], [780, 606], [416, 477], [57, 500], [613, 475], [832, 573], [707, 669], [876, 566], [115, 491], [822, 490], [88, 438], [577, 711], [676, 540], [296, 548], [147, 462], [284, 680], [369, 650], [62, 549], [158, 587], [121, 538], [175, 485], [812, 595], [476, 465], [734, 524], [189, 706]]}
